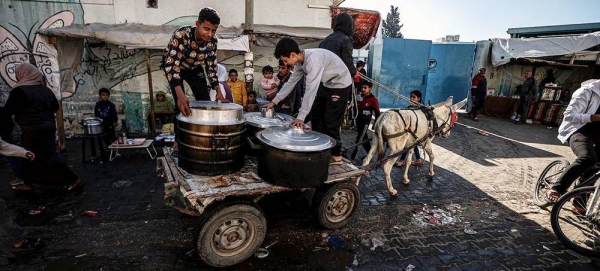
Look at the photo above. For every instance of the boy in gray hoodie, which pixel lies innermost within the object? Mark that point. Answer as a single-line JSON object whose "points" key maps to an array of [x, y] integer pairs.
{"points": [[328, 83]]}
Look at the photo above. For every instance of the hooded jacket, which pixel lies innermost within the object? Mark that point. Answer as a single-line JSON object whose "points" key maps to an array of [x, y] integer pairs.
{"points": [[340, 41]]}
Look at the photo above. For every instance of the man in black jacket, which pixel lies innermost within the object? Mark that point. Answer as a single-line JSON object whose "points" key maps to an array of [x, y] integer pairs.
{"points": [[340, 41], [528, 90]]}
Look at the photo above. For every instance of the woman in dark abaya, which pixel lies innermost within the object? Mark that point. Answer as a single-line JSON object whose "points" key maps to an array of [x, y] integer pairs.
{"points": [[34, 105]]}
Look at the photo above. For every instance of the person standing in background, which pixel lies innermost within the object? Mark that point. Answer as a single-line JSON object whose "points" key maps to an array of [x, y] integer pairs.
{"points": [[527, 94], [478, 93]]}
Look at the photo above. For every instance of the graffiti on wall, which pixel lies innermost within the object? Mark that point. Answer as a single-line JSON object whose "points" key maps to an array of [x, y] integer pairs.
{"points": [[35, 50]]}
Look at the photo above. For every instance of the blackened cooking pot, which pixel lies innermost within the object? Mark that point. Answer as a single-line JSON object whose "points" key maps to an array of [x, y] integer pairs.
{"points": [[294, 157], [256, 121]]}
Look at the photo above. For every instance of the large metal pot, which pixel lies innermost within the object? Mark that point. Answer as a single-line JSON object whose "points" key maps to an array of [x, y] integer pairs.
{"points": [[257, 122], [294, 157], [210, 140], [92, 126]]}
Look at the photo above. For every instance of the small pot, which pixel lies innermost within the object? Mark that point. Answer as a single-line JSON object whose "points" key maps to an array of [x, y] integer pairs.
{"points": [[92, 126], [293, 157]]}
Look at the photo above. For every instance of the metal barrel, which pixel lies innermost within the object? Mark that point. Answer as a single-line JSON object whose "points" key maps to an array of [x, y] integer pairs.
{"points": [[210, 149]]}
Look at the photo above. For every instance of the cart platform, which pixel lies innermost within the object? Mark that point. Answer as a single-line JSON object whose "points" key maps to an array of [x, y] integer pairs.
{"points": [[191, 194]]}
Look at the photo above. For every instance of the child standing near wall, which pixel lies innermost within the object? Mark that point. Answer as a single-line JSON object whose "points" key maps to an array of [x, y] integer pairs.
{"points": [[107, 111], [238, 88], [269, 83]]}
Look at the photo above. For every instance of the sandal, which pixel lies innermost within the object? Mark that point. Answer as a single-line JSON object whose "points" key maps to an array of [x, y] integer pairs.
{"points": [[74, 186], [400, 163], [22, 188], [552, 196], [28, 245], [332, 161], [417, 163]]}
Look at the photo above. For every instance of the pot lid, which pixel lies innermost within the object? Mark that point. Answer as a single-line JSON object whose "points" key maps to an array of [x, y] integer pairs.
{"points": [[257, 120], [92, 121], [295, 139]]}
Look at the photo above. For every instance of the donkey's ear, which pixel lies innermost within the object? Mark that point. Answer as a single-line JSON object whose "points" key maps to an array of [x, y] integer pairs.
{"points": [[460, 104], [449, 100]]}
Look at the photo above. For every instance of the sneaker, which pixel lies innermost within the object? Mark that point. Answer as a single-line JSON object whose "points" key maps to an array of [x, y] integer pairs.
{"points": [[529, 121], [515, 117]]}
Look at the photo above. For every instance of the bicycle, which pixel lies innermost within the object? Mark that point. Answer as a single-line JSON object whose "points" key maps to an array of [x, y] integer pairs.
{"points": [[575, 220], [550, 176]]}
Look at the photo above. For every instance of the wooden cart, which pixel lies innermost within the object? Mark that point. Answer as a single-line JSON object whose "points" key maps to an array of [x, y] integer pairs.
{"points": [[232, 225]]}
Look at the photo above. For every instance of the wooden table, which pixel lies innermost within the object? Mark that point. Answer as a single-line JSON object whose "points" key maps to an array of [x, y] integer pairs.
{"points": [[500, 107]]}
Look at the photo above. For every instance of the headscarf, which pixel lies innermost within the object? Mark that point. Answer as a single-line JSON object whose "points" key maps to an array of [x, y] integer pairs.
{"points": [[222, 73], [29, 75]]}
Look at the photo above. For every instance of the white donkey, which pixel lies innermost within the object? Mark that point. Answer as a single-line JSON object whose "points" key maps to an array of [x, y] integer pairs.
{"points": [[402, 128]]}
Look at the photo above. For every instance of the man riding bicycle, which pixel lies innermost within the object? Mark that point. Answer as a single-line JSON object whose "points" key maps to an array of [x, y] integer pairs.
{"points": [[581, 129]]}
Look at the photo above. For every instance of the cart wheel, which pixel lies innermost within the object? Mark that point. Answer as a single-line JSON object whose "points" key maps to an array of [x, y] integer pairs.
{"points": [[336, 204], [231, 233]]}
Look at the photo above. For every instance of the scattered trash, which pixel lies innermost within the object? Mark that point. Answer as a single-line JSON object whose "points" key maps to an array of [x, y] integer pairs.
{"points": [[64, 218], [438, 216], [490, 214], [37, 210], [355, 262], [335, 242], [146, 258], [81, 255], [482, 132], [470, 231], [121, 184], [376, 243], [263, 252], [546, 248], [90, 213], [397, 228], [549, 127], [191, 253], [514, 230], [410, 267]]}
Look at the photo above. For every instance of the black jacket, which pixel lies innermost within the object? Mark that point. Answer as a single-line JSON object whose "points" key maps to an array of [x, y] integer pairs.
{"points": [[340, 41]]}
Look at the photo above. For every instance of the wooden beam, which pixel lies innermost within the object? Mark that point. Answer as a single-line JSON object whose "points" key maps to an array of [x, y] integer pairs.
{"points": [[151, 93], [60, 120], [249, 18]]}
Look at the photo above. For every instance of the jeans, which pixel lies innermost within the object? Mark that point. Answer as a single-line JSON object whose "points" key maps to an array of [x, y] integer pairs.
{"points": [[582, 145], [361, 127], [477, 105]]}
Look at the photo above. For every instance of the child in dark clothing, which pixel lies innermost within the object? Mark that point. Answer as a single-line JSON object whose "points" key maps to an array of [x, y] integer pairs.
{"points": [[252, 105], [106, 111], [416, 97], [367, 107]]}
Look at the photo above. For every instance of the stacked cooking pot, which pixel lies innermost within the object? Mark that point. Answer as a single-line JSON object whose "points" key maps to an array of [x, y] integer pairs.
{"points": [[294, 157], [210, 140], [258, 121]]}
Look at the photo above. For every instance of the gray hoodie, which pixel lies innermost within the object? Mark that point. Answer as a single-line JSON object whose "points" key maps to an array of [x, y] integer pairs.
{"points": [[320, 66]]}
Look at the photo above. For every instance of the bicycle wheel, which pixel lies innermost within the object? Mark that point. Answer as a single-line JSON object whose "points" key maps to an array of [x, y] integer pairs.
{"points": [[575, 229], [546, 180]]}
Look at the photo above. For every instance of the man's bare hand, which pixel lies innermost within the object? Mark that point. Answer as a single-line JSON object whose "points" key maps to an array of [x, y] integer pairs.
{"points": [[183, 103], [269, 105], [30, 156], [297, 123]]}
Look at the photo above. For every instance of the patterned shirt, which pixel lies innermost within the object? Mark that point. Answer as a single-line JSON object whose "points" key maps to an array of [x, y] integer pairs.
{"points": [[184, 53]]}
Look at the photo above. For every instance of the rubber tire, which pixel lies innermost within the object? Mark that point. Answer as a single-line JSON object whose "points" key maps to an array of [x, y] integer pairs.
{"points": [[539, 198], [555, 220], [244, 211], [325, 194]]}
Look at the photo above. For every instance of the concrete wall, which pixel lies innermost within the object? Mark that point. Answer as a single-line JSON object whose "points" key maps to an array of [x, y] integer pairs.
{"points": [[124, 71]]}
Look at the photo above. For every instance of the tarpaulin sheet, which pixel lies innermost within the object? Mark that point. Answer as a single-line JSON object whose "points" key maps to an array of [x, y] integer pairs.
{"points": [[503, 50]]}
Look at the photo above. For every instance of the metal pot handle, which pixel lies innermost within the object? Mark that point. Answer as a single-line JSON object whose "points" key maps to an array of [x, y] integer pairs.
{"points": [[253, 145], [214, 145]]}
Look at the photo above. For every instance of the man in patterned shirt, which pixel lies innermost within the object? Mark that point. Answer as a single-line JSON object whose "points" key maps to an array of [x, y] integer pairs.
{"points": [[191, 56]]}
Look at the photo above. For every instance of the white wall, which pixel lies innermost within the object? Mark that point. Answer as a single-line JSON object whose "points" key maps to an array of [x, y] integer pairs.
{"points": [[295, 13]]}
